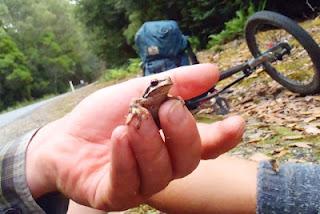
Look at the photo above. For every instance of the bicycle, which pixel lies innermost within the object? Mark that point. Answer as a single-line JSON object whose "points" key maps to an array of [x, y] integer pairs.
{"points": [[287, 41]]}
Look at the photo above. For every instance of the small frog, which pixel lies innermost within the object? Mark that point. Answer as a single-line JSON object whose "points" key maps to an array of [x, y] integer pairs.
{"points": [[153, 97]]}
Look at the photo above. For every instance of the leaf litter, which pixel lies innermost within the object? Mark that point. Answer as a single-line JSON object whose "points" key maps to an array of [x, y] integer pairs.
{"points": [[280, 124]]}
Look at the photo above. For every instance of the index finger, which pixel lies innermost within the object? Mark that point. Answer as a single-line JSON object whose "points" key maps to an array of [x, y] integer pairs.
{"points": [[106, 108], [188, 81]]}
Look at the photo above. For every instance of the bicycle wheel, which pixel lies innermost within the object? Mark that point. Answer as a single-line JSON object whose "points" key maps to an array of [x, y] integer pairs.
{"points": [[297, 71]]}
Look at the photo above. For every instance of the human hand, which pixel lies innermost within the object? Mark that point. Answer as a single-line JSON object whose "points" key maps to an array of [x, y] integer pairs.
{"points": [[93, 158]]}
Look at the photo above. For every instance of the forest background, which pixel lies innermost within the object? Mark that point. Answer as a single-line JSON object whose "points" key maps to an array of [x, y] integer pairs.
{"points": [[46, 44]]}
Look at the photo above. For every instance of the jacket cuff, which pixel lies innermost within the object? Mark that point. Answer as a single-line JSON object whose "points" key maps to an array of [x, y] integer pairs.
{"points": [[293, 188], [15, 195]]}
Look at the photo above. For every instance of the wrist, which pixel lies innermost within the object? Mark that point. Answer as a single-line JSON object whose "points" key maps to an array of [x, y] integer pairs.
{"points": [[40, 172]]}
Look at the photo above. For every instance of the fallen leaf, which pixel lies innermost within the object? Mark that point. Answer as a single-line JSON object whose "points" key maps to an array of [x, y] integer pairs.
{"points": [[281, 153], [311, 129], [306, 113], [257, 135], [301, 145], [259, 157], [308, 98], [293, 137], [297, 127], [253, 141], [310, 119]]}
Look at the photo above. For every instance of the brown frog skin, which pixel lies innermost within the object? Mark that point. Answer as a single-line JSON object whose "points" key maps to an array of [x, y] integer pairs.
{"points": [[153, 97]]}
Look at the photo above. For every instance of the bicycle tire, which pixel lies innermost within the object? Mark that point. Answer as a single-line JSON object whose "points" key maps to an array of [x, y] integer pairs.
{"points": [[306, 41]]}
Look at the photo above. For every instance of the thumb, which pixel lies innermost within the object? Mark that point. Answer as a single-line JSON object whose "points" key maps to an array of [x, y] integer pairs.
{"points": [[220, 137]]}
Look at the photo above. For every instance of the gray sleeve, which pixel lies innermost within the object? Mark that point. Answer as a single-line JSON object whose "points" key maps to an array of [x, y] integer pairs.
{"points": [[15, 195], [295, 188]]}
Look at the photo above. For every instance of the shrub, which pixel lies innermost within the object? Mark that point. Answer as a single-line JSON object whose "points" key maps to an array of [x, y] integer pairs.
{"points": [[123, 72], [235, 27]]}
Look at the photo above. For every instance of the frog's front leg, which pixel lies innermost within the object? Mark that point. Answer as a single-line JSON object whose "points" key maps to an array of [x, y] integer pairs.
{"points": [[137, 110]]}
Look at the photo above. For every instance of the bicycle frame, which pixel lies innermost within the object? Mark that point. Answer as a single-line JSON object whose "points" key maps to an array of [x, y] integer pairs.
{"points": [[273, 54]]}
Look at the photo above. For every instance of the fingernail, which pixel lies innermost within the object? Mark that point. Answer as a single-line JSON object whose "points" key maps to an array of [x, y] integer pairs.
{"points": [[177, 112]]}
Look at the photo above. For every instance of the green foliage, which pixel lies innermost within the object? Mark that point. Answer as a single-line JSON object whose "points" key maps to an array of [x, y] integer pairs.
{"points": [[43, 48], [133, 27], [15, 77], [107, 21], [134, 65], [235, 27], [194, 42], [123, 72], [203, 18], [113, 23]]}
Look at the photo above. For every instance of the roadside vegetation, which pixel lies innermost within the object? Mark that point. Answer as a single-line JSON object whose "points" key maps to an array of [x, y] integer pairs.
{"points": [[234, 28], [42, 47], [131, 69]]}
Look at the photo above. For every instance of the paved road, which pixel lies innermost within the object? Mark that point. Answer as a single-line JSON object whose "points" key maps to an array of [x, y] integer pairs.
{"points": [[11, 116]]}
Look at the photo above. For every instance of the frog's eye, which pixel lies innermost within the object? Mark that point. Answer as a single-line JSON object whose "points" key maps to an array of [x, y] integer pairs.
{"points": [[154, 83]]}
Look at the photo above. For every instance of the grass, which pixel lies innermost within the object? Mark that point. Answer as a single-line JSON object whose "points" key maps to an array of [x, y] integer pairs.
{"points": [[130, 70], [279, 133], [208, 118]]}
